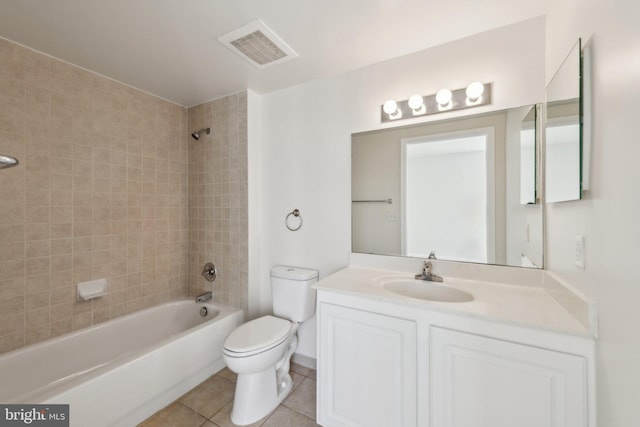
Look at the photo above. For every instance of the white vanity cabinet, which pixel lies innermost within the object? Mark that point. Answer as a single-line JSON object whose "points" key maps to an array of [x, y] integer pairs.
{"points": [[368, 369], [484, 382], [387, 364]]}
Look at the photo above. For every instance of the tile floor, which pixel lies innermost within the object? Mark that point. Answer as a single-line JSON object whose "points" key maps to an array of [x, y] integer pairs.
{"points": [[209, 404]]}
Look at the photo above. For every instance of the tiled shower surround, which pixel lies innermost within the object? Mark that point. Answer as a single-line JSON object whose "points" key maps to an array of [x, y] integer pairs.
{"points": [[102, 191], [218, 199]]}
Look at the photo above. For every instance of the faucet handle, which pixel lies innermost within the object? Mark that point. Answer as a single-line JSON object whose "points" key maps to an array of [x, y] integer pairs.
{"points": [[209, 272]]}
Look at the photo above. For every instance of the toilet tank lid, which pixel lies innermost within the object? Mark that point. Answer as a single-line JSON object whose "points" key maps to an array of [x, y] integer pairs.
{"points": [[293, 273]]}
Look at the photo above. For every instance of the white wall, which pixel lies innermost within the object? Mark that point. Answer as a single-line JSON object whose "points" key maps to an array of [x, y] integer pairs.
{"points": [[254, 179], [608, 216], [306, 133], [375, 175]]}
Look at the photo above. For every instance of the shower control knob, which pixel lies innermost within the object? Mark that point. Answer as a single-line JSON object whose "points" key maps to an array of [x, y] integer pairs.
{"points": [[209, 272]]}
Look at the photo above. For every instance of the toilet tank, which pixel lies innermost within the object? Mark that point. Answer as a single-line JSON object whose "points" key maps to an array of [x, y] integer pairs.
{"points": [[293, 297]]}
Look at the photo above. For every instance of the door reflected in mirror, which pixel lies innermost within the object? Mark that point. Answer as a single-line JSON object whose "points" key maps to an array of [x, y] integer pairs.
{"points": [[455, 189], [446, 191]]}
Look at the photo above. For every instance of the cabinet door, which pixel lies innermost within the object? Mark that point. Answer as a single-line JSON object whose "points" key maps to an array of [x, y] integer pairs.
{"points": [[483, 382], [366, 369]]}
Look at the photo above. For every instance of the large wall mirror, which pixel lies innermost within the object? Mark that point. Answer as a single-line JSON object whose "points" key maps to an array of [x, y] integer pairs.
{"points": [[563, 131], [461, 189]]}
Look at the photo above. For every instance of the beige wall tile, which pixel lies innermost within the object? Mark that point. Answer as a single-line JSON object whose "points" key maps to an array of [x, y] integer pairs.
{"points": [[87, 180], [217, 169], [12, 341], [61, 327], [11, 323], [94, 197], [10, 288]]}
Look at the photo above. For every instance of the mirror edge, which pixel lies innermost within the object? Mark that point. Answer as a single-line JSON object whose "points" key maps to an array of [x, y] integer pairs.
{"points": [[585, 105]]}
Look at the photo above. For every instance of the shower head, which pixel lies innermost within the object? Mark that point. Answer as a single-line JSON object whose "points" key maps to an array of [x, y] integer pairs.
{"points": [[196, 135], [7, 161]]}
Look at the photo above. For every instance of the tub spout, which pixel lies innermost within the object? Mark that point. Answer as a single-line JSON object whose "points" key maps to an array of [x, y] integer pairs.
{"points": [[204, 297]]}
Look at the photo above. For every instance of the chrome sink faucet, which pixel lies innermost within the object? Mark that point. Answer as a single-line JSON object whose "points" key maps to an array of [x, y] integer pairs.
{"points": [[427, 275], [204, 297]]}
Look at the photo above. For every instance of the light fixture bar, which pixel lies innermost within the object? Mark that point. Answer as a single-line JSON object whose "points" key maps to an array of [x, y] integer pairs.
{"points": [[459, 101]]}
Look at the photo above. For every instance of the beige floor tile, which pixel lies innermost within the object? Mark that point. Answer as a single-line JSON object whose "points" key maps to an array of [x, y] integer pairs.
{"points": [[302, 370], [228, 374], [223, 417], [303, 398], [210, 396], [296, 379], [175, 415], [213, 399], [285, 417], [312, 375]]}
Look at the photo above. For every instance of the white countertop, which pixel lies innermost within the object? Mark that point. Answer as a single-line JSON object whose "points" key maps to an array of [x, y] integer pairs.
{"points": [[522, 305]]}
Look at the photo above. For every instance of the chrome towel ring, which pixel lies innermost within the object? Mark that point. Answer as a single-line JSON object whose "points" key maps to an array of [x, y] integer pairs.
{"points": [[295, 214]]}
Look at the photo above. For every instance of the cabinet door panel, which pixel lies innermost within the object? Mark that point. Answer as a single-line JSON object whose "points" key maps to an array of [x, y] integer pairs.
{"points": [[367, 369], [478, 381]]}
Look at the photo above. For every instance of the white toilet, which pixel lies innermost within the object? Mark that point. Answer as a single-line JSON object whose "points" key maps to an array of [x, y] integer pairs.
{"points": [[259, 351]]}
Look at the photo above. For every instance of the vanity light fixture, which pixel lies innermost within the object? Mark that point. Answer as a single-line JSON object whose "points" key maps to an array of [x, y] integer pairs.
{"points": [[474, 95], [391, 109], [443, 98], [474, 92], [416, 103]]}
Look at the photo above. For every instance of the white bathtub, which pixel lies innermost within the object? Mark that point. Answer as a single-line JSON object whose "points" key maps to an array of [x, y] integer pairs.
{"points": [[120, 372]]}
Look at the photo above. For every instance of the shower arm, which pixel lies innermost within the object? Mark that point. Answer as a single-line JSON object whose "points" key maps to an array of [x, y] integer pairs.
{"points": [[196, 135], [8, 161]]}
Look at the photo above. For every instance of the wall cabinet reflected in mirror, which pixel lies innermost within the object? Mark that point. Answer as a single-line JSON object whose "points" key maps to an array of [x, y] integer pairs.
{"points": [[563, 131], [529, 154], [456, 188]]}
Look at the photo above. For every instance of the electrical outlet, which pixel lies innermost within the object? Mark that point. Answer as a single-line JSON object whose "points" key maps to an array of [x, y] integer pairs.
{"points": [[579, 252], [392, 217]]}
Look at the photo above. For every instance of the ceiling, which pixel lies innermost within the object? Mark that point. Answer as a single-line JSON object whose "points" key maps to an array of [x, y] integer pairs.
{"points": [[169, 47]]}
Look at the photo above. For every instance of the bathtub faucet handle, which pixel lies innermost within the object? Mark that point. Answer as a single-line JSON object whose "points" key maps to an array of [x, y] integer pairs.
{"points": [[209, 272]]}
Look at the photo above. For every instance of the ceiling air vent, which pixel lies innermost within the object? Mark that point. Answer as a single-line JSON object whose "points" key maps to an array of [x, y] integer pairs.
{"points": [[256, 43]]}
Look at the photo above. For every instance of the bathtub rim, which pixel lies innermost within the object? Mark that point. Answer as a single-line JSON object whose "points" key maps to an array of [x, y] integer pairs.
{"points": [[50, 390]]}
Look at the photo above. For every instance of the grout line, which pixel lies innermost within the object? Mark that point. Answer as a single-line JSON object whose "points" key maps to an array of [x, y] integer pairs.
{"points": [[207, 419]]}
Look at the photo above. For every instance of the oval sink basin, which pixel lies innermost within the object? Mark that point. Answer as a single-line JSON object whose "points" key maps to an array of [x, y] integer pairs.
{"points": [[427, 291]]}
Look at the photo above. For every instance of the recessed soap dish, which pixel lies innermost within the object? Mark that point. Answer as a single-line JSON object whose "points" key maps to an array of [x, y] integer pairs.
{"points": [[92, 289]]}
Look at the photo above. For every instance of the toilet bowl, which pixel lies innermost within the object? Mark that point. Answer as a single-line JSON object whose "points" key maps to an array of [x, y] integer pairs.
{"points": [[260, 350]]}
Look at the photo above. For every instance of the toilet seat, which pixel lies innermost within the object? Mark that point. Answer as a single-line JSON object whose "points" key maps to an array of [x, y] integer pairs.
{"points": [[257, 336]]}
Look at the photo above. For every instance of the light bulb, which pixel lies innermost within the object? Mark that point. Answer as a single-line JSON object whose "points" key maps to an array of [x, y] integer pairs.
{"points": [[415, 102], [390, 107], [475, 91], [443, 97]]}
